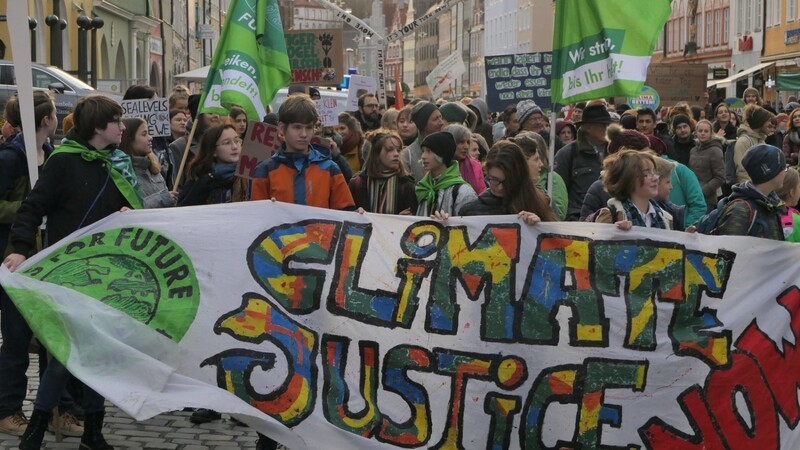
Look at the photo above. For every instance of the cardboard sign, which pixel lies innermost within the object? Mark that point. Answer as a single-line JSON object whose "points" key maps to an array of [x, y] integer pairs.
{"points": [[154, 111], [679, 82], [260, 143], [446, 73], [328, 109], [513, 78], [316, 56], [359, 85]]}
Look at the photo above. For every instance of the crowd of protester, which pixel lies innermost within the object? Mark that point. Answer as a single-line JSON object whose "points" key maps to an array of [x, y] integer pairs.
{"points": [[679, 168]]}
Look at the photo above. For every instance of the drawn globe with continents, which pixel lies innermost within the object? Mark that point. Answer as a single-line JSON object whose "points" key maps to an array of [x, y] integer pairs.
{"points": [[138, 271]]}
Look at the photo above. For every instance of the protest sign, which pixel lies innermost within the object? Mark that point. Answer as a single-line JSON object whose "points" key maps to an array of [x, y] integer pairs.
{"points": [[316, 56], [155, 113], [359, 85], [513, 78], [647, 98], [735, 105], [446, 73], [328, 109], [260, 142], [679, 82], [378, 331]]}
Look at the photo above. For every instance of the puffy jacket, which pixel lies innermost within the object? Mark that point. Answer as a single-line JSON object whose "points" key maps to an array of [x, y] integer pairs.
{"points": [[736, 218], [311, 179], [708, 164]]}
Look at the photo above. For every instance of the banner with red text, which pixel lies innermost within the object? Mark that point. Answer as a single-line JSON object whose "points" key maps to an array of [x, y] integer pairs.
{"points": [[327, 329]]}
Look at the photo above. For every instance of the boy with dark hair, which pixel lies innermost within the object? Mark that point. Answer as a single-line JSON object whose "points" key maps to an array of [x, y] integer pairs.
{"points": [[300, 172], [83, 181]]}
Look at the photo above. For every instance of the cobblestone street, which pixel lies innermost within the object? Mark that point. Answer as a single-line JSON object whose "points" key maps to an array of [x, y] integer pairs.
{"points": [[165, 431]]}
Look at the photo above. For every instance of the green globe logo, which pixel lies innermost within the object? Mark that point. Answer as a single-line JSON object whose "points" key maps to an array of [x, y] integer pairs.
{"points": [[138, 271]]}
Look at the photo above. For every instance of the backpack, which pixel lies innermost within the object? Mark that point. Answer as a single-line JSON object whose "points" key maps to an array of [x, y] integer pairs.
{"points": [[708, 223]]}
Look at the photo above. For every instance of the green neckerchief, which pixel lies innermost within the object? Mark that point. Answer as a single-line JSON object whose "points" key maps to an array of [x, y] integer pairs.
{"points": [[120, 167], [428, 187]]}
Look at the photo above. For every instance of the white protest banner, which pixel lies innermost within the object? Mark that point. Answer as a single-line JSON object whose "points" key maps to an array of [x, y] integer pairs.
{"points": [[328, 109], [359, 85], [155, 113], [377, 331], [445, 73], [260, 142]]}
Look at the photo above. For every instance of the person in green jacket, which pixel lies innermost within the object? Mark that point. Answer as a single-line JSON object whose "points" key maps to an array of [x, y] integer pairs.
{"points": [[686, 191], [534, 147]]}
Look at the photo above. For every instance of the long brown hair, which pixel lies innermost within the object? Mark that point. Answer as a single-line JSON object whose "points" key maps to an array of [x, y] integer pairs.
{"points": [[203, 161], [377, 139], [521, 193]]}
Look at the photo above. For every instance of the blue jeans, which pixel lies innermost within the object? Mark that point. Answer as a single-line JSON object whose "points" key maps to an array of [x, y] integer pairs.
{"points": [[14, 359]]}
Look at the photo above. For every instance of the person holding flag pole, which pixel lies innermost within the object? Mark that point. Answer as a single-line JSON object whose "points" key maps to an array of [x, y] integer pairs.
{"points": [[249, 66], [602, 48]]}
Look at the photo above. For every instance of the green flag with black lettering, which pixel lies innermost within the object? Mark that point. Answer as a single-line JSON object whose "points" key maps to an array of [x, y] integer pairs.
{"points": [[250, 62], [601, 48]]}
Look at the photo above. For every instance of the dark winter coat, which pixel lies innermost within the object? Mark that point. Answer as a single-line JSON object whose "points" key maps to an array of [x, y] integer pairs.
{"points": [[579, 164], [72, 193], [707, 162]]}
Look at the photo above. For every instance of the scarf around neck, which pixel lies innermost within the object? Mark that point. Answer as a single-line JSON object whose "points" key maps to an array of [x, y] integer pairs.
{"points": [[120, 169], [383, 193], [428, 186]]}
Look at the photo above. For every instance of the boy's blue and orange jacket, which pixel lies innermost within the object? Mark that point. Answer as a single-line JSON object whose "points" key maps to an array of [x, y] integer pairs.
{"points": [[312, 180]]}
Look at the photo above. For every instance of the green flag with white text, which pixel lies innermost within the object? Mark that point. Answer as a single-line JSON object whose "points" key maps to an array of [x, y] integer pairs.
{"points": [[250, 62], [601, 48]]}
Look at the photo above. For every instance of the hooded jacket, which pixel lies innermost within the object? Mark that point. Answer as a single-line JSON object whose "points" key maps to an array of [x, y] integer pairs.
{"points": [[707, 162], [311, 179], [483, 127], [746, 137], [736, 218]]}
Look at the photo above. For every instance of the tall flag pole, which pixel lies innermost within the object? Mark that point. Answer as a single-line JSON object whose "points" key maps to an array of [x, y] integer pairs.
{"points": [[601, 48], [250, 63]]}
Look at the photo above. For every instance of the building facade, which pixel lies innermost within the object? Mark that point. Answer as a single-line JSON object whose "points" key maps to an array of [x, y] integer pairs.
{"points": [[781, 47]]}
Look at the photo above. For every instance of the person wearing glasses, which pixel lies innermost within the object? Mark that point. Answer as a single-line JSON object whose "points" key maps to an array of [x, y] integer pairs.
{"points": [[211, 177], [511, 188], [368, 114], [85, 180], [631, 178]]}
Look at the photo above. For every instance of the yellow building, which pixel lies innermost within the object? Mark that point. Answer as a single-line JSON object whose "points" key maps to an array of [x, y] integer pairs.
{"points": [[781, 46]]}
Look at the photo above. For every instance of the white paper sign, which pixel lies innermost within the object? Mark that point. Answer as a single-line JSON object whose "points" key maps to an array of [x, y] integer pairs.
{"points": [[445, 73], [154, 111], [328, 109], [359, 85]]}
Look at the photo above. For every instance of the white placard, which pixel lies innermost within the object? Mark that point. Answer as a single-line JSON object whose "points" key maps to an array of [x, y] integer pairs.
{"points": [[445, 73], [154, 111], [359, 85]]}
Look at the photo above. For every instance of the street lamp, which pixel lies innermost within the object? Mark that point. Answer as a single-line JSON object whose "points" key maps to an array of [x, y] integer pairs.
{"points": [[84, 25], [97, 23], [56, 25], [32, 24]]}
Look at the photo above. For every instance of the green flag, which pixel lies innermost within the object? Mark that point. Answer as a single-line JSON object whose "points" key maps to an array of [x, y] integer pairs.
{"points": [[250, 63], [601, 48]]}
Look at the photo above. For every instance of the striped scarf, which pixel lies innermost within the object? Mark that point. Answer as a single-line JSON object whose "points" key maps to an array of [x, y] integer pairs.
{"points": [[383, 194]]}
